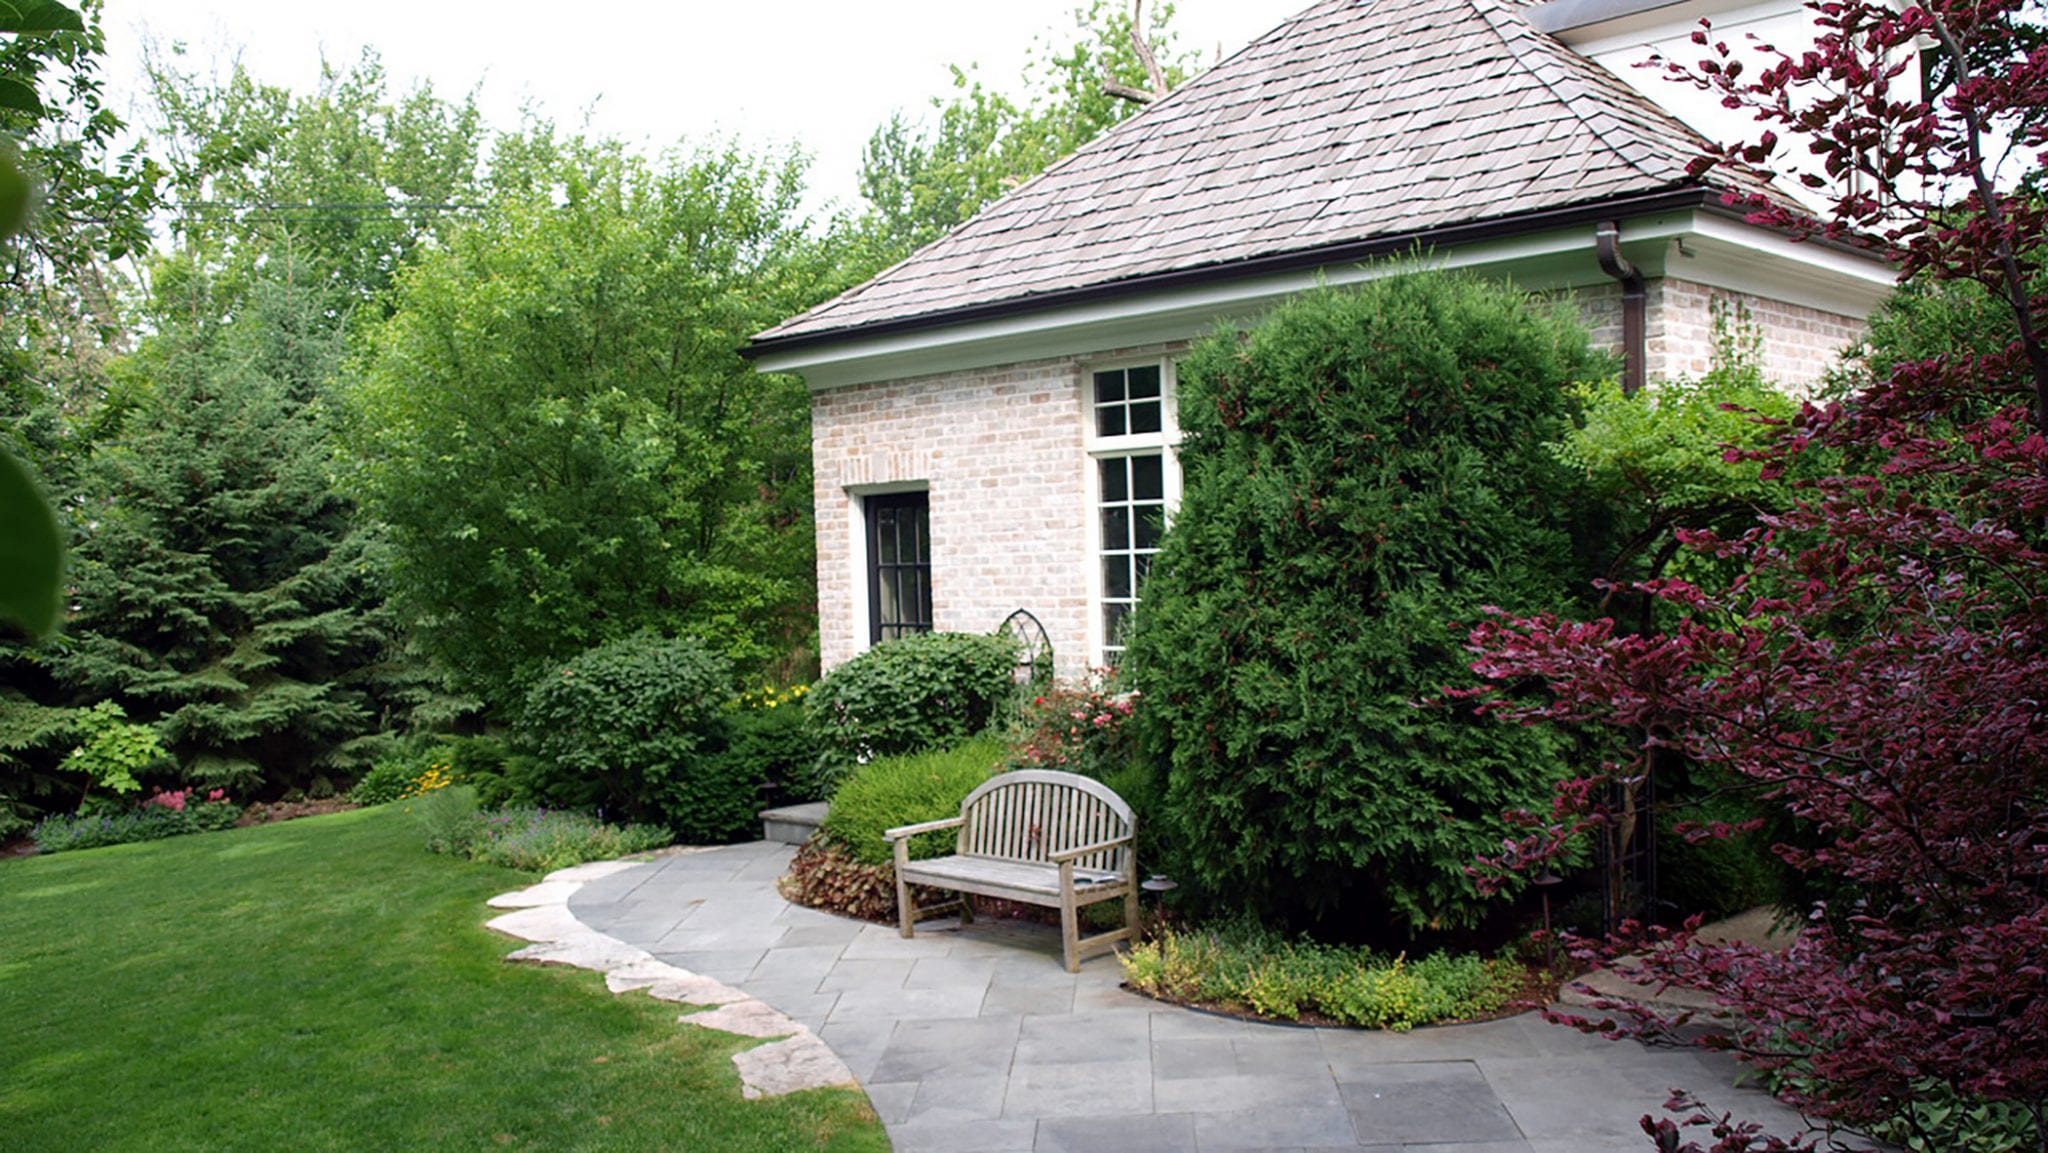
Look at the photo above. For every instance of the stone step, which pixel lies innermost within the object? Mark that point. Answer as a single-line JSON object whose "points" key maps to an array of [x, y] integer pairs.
{"points": [[792, 824], [1757, 927]]}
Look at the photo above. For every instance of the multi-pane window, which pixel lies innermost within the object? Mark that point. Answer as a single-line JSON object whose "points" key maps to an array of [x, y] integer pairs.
{"points": [[1132, 507], [899, 565], [1128, 402], [1131, 439]]}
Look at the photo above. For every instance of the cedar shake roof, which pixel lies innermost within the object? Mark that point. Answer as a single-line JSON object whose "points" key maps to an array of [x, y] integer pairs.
{"points": [[1355, 120]]}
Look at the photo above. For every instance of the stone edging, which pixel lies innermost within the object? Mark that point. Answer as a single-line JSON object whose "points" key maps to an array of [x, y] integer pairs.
{"points": [[798, 1061]]}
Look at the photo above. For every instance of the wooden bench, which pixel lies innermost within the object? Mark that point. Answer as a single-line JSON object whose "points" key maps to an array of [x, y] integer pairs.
{"points": [[1042, 838]]}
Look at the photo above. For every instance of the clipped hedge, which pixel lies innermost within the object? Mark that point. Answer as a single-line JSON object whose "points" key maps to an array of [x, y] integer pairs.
{"points": [[908, 695], [905, 790], [1365, 471]]}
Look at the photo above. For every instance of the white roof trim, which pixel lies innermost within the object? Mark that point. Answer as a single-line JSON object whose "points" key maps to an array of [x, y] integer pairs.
{"points": [[1714, 251]]}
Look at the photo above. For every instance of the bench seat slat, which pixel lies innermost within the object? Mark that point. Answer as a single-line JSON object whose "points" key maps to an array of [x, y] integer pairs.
{"points": [[1009, 829], [993, 878]]}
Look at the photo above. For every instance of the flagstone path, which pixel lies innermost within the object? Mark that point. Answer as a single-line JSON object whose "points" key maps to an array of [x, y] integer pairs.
{"points": [[975, 1040]]}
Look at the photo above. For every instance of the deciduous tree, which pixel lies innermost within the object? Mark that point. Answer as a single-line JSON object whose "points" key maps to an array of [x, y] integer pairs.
{"points": [[922, 181], [1875, 671], [557, 427]]}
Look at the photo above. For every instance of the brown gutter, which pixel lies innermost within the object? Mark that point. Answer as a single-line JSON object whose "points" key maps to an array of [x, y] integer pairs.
{"points": [[1634, 305]]}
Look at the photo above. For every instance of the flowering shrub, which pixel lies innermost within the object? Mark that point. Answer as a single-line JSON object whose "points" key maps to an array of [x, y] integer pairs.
{"points": [[439, 775], [768, 697], [767, 743], [164, 814], [398, 775], [1077, 729]]}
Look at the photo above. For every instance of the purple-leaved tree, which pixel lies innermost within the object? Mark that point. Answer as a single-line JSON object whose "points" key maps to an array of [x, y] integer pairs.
{"points": [[1879, 671]]}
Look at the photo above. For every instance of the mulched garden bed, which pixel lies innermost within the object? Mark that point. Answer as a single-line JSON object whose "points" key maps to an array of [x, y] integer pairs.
{"points": [[270, 812]]}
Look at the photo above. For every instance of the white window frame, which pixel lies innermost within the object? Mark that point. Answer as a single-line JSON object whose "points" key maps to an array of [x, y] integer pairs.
{"points": [[1098, 448]]}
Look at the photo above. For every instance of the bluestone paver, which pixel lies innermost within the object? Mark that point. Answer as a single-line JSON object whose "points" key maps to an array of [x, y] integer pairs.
{"points": [[974, 1038]]}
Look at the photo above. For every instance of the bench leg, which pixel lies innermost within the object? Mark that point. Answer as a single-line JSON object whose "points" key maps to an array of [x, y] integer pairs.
{"points": [[966, 908], [906, 913], [1070, 920]]}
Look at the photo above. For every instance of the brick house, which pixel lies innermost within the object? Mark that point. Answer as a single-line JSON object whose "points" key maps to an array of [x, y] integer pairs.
{"points": [[993, 418]]}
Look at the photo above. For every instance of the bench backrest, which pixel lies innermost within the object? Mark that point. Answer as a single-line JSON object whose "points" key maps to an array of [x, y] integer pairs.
{"points": [[1031, 813]]}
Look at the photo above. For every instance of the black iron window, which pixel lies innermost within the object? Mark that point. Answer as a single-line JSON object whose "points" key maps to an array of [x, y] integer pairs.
{"points": [[899, 566]]}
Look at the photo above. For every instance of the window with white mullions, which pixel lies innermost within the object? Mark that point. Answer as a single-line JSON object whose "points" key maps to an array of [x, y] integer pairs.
{"points": [[1133, 512], [1134, 485], [1129, 402]]}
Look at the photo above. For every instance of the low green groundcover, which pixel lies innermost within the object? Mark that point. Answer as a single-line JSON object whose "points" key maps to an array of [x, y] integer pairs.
{"points": [[525, 837], [1245, 968], [327, 984]]}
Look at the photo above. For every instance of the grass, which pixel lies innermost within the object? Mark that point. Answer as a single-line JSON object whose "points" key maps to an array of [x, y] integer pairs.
{"points": [[328, 984]]}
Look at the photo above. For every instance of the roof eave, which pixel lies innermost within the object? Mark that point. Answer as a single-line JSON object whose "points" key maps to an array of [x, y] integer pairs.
{"points": [[1683, 197]]}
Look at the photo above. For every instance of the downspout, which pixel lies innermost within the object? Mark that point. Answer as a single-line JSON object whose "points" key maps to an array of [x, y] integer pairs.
{"points": [[1634, 304]]}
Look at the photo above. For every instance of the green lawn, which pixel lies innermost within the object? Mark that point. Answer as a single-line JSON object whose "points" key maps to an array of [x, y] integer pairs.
{"points": [[328, 984]]}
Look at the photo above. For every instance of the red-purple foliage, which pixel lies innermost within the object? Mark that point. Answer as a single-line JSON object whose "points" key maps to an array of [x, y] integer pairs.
{"points": [[1880, 670]]}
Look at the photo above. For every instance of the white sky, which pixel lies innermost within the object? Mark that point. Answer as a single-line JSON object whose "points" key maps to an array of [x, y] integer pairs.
{"points": [[820, 73]]}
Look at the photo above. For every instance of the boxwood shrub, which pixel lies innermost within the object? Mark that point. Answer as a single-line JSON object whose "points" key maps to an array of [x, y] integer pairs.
{"points": [[904, 696]]}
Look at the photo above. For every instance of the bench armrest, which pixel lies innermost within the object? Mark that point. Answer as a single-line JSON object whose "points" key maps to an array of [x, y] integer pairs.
{"points": [[902, 831], [1084, 850]]}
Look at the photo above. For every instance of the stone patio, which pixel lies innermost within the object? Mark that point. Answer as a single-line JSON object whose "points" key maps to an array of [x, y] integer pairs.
{"points": [[975, 1040]]}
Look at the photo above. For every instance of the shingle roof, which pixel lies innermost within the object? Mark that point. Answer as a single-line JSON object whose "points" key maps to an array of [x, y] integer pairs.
{"points": [[1356, 119]]}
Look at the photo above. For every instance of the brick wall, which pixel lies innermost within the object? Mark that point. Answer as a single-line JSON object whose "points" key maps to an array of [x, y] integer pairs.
{"points": [[1798, 344], [1000, 452], [1002, 455]]}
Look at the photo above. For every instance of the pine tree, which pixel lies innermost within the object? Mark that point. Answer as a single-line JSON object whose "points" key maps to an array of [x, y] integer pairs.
{"points": [[224, 591]]}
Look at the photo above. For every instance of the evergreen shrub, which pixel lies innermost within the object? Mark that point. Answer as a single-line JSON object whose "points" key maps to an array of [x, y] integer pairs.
{"points": [[905, 790], [636, 728], [770, 743], [1365, 472], [903, 696]]}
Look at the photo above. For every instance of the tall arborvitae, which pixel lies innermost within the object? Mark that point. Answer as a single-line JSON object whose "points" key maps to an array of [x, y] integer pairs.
{"points": [[223, 589]]}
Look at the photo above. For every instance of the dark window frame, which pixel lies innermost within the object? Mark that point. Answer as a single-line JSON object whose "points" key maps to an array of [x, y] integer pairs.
{"points": [[910, 580]]}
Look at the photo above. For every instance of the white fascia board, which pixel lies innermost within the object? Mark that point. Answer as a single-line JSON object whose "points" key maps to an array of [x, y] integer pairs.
{"points": [[1725, 253], [1703, 247], [1563, 258], [1674, 22], [1621, 25]]}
